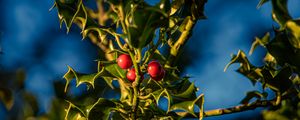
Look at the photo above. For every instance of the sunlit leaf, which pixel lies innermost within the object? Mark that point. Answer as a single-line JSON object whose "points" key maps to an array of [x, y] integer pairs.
{"points": [[187, 93], [250, 95], [175, 5], [115, 70], [74, 114], [84, 78], [262, 42], [253, 74], [75, 12], [280, 12], [188, 105], [90, 109], [92, 26], [294, 29], [239, 58], [67, 11], [246, 68], [269, 58], [158, 94]]}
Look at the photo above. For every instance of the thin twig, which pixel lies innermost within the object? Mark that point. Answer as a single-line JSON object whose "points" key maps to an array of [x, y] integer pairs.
{"points": [[240, 108], [235, 109]]}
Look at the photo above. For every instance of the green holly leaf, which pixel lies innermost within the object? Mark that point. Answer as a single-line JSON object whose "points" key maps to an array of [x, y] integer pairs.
{"points": [[84, 78], [293, 26], [192, 8], [182, 89], [188, 106], [269, 59], [280, 12], [67, 11], [102, 109], [75, 12], [157, 55], [239, 58], [197, 9], [281, 81], [92, 26], [157, 94], [175, 5], [162, 92], [188, 92], [74, 114], [90, 109], [183, 96], [251, 72], [254, 74], [144, 20], [250, 95], [112, 68], [151, 87], [171, 78], [282, 50], [260, 41], [115, 70]]}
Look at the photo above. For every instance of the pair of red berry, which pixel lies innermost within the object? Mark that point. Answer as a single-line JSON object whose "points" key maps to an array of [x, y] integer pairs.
{"points": [[154, 69]]}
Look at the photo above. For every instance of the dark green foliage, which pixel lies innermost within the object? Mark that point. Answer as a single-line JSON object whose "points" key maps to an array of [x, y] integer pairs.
{"points": [[281, 68]]}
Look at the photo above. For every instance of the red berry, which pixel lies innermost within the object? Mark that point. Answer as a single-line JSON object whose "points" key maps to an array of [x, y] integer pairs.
{"points": [[154, 69], [124, 61], [160, 77], [131, 75]]}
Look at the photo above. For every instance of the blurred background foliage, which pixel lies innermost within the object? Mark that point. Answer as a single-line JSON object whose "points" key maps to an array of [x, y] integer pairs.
{"points": [[35, 52]]}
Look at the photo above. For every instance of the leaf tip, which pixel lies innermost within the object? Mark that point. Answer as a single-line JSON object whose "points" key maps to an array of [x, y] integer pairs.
{"points": [[52, 7]]}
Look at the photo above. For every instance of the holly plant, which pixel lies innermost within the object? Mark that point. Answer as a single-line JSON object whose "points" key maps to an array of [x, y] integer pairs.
{"points": [[140, 45]]}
